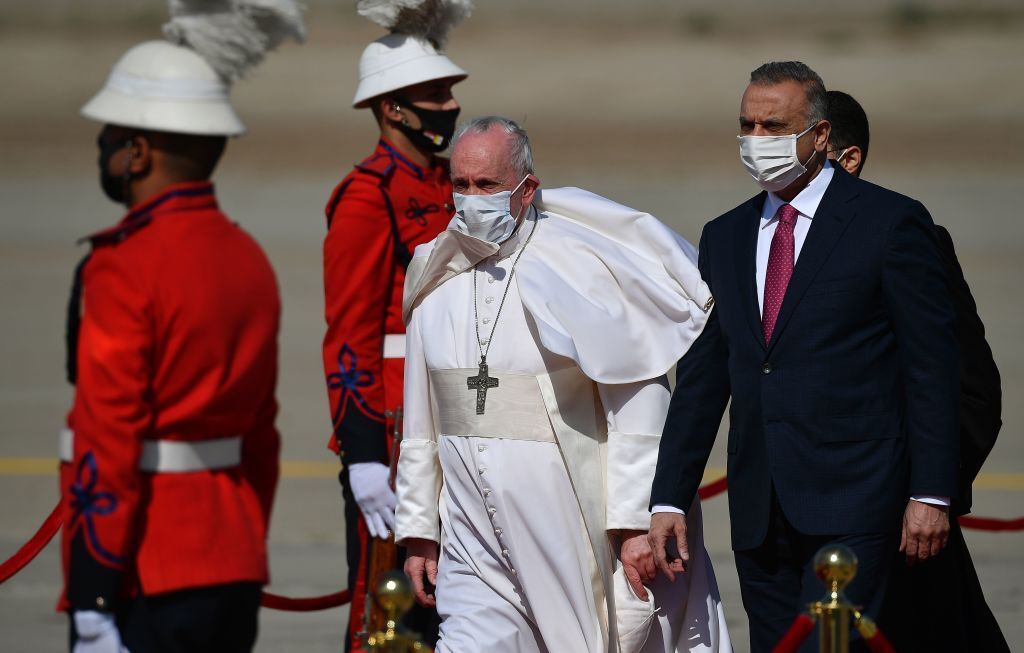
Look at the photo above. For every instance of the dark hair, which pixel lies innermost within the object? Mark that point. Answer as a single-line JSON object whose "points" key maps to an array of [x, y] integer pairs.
{"points": [[188, 156], [849, 124], [777, 72]]}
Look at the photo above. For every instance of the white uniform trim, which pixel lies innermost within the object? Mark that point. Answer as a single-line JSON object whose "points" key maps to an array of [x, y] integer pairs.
{"points": [[170, 456], [394, 345], [67, 445]]}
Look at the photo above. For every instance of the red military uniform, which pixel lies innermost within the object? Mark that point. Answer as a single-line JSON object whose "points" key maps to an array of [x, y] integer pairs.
{"points": [[175, 453], [376, 216]]}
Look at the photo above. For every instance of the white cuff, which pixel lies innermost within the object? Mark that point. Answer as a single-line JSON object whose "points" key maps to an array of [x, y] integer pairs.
{"points": [[933, 500], [664, 507]]}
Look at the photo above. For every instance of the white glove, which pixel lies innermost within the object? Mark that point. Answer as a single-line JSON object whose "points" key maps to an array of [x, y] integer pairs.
{"points": [[97, 633], [376, 499]]}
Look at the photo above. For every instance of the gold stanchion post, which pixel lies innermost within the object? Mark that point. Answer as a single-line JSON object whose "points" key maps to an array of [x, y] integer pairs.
{"points": [[393, 595], [835, 565]]}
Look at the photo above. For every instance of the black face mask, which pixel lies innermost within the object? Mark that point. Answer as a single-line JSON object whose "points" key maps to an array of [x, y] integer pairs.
{"points": [[437, 127], [114, 186]]}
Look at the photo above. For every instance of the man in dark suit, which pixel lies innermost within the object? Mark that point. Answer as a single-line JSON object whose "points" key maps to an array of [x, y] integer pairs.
{"points": [[833, 335], [939, 606]]}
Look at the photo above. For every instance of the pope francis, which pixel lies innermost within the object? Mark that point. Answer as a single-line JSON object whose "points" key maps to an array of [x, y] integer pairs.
{"points": [[540, 330]]}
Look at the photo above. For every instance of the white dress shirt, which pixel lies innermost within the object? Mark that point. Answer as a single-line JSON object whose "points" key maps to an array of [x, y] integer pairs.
{"points": [[806, 203]]}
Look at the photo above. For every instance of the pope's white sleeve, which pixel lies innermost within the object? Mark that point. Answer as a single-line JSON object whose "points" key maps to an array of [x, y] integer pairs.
{"points": [[418, 481], [636, 415]]}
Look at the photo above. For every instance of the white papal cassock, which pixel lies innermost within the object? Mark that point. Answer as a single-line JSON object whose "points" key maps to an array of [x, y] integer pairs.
{"points": [[525, 499]]}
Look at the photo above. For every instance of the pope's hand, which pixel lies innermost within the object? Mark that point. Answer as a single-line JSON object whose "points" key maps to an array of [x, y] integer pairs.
{"points": [[370, 483], [637, 561], [421, 561], [97, 633], [665, 525], [925, 531]]}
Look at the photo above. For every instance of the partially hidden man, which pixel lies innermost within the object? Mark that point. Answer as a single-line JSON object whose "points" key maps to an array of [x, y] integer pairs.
{"points": [[171, 451], [395, 199], [939, 605], [541, 329], [833, 336]]}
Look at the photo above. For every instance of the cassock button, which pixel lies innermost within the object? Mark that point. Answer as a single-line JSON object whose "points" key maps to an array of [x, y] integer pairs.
{"points": [[481, 447], [498, 532], [491, 511], [490, 279], [485, 341], [489, 300], [766, 368], [487, 491], [505, 552], [486, 320], [482, 470]]}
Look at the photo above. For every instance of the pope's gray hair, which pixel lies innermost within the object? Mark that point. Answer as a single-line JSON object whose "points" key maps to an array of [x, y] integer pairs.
{"points": [[520, 153]]}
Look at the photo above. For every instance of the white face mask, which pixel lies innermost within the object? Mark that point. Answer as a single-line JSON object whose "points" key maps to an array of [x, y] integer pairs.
{"points": [[487, 217], [772, 160]]}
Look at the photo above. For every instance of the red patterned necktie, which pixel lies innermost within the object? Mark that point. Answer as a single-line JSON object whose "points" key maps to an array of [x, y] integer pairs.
{"points": [[780, 269]]}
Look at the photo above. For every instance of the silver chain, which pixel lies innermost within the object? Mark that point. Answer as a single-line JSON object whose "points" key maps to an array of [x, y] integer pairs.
{"points": [[476, 312]]}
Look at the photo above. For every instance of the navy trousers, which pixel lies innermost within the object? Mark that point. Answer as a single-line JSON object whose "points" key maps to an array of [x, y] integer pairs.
{"points": [[777, 579], [215, 619]]}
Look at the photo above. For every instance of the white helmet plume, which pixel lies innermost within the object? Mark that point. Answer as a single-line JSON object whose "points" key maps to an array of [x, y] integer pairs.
{"points": [[430, 19], [234, 35]]}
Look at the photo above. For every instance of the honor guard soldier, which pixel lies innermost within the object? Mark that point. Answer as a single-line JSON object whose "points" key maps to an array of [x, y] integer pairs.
{"points": [[170, 455], [395, 199]]}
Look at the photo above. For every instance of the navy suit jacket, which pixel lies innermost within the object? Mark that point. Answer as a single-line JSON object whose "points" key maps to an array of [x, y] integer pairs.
{"points": [[852, 406]]}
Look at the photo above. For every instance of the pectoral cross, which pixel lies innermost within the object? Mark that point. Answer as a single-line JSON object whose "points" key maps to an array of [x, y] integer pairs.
{"points": [[481, 382]]}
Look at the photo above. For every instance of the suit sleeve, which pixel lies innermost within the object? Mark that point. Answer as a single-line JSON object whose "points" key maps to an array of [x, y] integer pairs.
{"points": [[922, 319], [358, 275], [111, 415], [636, 416], [695, 410], [419, 477], [980, 385]]}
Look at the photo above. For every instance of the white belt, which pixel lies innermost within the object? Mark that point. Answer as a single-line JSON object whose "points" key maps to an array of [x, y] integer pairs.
{"points": [[394, 345], [514, 408], [169, 456]]}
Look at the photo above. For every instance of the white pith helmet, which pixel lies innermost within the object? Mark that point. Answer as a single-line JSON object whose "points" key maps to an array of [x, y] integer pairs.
{"points": [[399, 60], [165, 87]]}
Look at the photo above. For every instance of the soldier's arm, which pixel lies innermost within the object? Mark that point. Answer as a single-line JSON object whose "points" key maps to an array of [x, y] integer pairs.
{"points": [[358, 278], [111, 414]]}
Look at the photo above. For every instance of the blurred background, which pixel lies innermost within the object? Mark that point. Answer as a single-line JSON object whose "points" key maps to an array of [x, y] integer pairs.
{"points": [[637, 101]]}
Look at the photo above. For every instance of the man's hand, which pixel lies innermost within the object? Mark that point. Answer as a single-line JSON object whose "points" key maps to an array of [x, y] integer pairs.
{"points": [[420, 561], [371, 487], [925, 531], [97, 633], [637, 561], [663, 526]]}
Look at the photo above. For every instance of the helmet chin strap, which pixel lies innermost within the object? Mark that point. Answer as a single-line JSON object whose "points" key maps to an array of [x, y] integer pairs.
{"points": [[126, 177]]}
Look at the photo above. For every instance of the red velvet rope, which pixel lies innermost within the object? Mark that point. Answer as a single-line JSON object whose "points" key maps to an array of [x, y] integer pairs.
{"points": [[795, 636], [36, 543], [49, 528], [992, 523], [873, 637], [46, 532], [310, 604], [878, 643], [713, 488]]}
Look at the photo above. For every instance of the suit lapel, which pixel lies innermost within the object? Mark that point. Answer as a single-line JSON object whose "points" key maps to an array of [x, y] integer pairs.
{"points": [[829, 223], [749, 226]]}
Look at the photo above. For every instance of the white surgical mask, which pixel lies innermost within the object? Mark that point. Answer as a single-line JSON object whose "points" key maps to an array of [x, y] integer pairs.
{"points": [[772, 160], [487, 217]]}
